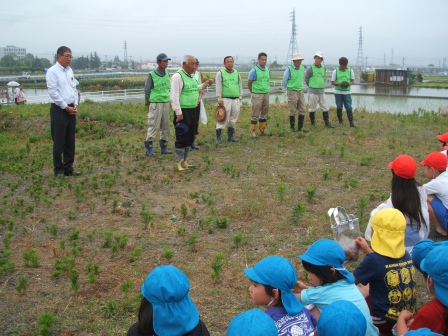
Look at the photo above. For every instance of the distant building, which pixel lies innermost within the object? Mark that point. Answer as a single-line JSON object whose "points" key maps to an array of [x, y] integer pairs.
{"points": [[12, 50], [392, 75], [146, 65]]}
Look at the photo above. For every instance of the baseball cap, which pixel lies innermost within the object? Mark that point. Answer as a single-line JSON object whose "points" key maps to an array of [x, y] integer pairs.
{"points": [[163, 57], [327, 252], [435, 160], [319, 54], [279, 273], [443, 137], [404, 166], [174, 312], [436, 266], [422, 248], [341, 318], [422, 332], [297, 57], [254, 322], [181, 129], [388, 233]]}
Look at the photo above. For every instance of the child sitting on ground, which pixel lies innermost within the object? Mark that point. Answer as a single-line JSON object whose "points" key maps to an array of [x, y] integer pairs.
{"points": [[330, 281], [443, 138], [437, 189], [433, 315], [273, 279], [253, 322], [388, 269], [341, 318]]}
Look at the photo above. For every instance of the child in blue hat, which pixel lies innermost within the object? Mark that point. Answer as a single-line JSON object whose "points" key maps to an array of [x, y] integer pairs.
{"points": [[422, 332], [433, 315], [253, 322], [330, 281], [167, 308], [273, 279], [341, 318]]}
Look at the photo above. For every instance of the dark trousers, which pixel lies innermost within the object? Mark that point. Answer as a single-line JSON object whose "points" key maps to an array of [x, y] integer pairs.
{"points": [[63, 126], [186, 140], [197, 112]]}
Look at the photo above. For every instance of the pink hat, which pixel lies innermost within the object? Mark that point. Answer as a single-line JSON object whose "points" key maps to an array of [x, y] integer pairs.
{"points": [[404, 166], [436, 160]]}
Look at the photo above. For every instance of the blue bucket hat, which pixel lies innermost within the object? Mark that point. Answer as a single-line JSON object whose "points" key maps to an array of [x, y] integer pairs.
{"points": [[422, 332], [254, 322], [279, 273], [436, 266], [341, 318], [181, 129], [422, 248], [174, 312], [327, 252]]}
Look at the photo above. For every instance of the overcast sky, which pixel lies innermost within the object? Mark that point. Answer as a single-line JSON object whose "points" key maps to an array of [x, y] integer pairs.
{"points": [[416, 31]]}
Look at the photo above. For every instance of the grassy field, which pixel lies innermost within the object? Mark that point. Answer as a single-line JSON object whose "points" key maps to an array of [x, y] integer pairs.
{"points": [[75, 250]]}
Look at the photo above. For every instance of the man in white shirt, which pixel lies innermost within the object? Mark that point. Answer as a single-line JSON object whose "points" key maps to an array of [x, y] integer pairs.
{"points": [[61, 86]]}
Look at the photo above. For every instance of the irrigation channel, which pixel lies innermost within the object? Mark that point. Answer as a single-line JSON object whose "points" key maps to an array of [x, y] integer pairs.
{"points": [[372, 98]]}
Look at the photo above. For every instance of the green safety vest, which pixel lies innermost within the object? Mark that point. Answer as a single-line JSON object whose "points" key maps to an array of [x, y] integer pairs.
{"points": [[160, 92], [190, 92], [342, 76], [230, 84], [317, 80], [295, 82], [261, 84]]}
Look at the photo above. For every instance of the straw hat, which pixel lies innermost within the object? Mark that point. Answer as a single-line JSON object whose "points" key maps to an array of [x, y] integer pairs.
{"points": [[220, 114], [297, 57]]}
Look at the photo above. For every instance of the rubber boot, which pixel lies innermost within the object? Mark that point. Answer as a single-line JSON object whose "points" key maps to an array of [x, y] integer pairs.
{"points": [[313, 119], [253, 126], [187, 151], [230, 134], [350, 118], [339, 113], [218, 135], [292, 123], [180, 154], [262, 127], [327, 120], [149, 151], [163, 147], [193, 145], [300, 125]]}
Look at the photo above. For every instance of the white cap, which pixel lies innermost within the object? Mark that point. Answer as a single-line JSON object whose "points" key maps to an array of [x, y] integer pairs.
{"points": [[319, 54]]}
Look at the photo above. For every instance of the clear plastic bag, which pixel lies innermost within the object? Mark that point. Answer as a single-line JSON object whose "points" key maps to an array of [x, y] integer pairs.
{"points": [[345, 230]]}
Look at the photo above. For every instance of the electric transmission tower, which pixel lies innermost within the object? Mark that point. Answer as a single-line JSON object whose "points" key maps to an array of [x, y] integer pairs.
{"points": [[360, 57], [126, 55], [293, 42]]}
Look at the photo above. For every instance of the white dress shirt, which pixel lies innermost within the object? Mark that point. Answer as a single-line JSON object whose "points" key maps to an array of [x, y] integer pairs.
{"points": [[61, 86]]}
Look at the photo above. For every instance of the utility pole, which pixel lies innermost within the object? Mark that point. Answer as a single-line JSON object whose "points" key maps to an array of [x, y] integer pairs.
{"points": [[293, 41], [126, 55], [360, 57]]}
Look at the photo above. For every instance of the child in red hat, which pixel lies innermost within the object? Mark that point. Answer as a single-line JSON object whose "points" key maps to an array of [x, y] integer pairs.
{"points": [[437, 189], [443, 138]]}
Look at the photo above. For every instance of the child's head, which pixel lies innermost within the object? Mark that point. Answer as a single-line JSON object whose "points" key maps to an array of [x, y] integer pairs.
{"points": [[434, 163], [341, 318], [254, 322], [443, 138], [324, 263], [174, 312], [273, 279], [404, 166], [388, 227], [436, 266], [422, 248]]}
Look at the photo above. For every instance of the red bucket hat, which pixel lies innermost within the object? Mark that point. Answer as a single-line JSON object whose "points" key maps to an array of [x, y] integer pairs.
{"points": [[436, 160], [443, 137], [404, 166]]}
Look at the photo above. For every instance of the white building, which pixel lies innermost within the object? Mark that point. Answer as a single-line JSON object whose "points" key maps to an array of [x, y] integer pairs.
{"points": [[12, 50]]}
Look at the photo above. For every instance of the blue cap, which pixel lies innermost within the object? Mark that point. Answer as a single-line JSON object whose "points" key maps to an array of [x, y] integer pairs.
{"points": [[327, 252], [436, 266], [181, 129], [174, 313], [341, 318], [254, 322], [422, 248], [279, 273], [422, 332]]}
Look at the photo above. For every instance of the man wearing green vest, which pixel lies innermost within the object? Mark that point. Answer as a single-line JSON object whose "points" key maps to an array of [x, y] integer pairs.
{"points": [[184, 99], [293, 83], [157, 100], [258, 84], [343, 78], [229, 90], [315, 79]]}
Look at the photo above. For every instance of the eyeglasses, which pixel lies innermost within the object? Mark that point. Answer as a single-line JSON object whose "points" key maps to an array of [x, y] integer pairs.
{"points": [[68, 56]]}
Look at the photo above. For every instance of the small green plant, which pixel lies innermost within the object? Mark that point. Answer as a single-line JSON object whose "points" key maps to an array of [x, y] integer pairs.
{"points": [[45, 323], [342, 151], [6, 265], [62, 244], [351, 183], [222, 222], [53, 228], [74, 235], [365, 160], [74, 279], [110, 308], [168, 253], [107, 239], [310, 193], [183, 210], [30, 258], [7, 240], [92, 272], [281, 190], [181, 230], [62, 266], [298, 212], [217, 266], [22, 285], [192, 242], [126, 286], [238, 239], [135, 254], [326, 174], [362, 208]]}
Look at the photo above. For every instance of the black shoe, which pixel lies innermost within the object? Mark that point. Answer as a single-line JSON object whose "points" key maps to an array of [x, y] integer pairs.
{"points": [[73, 173]]}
